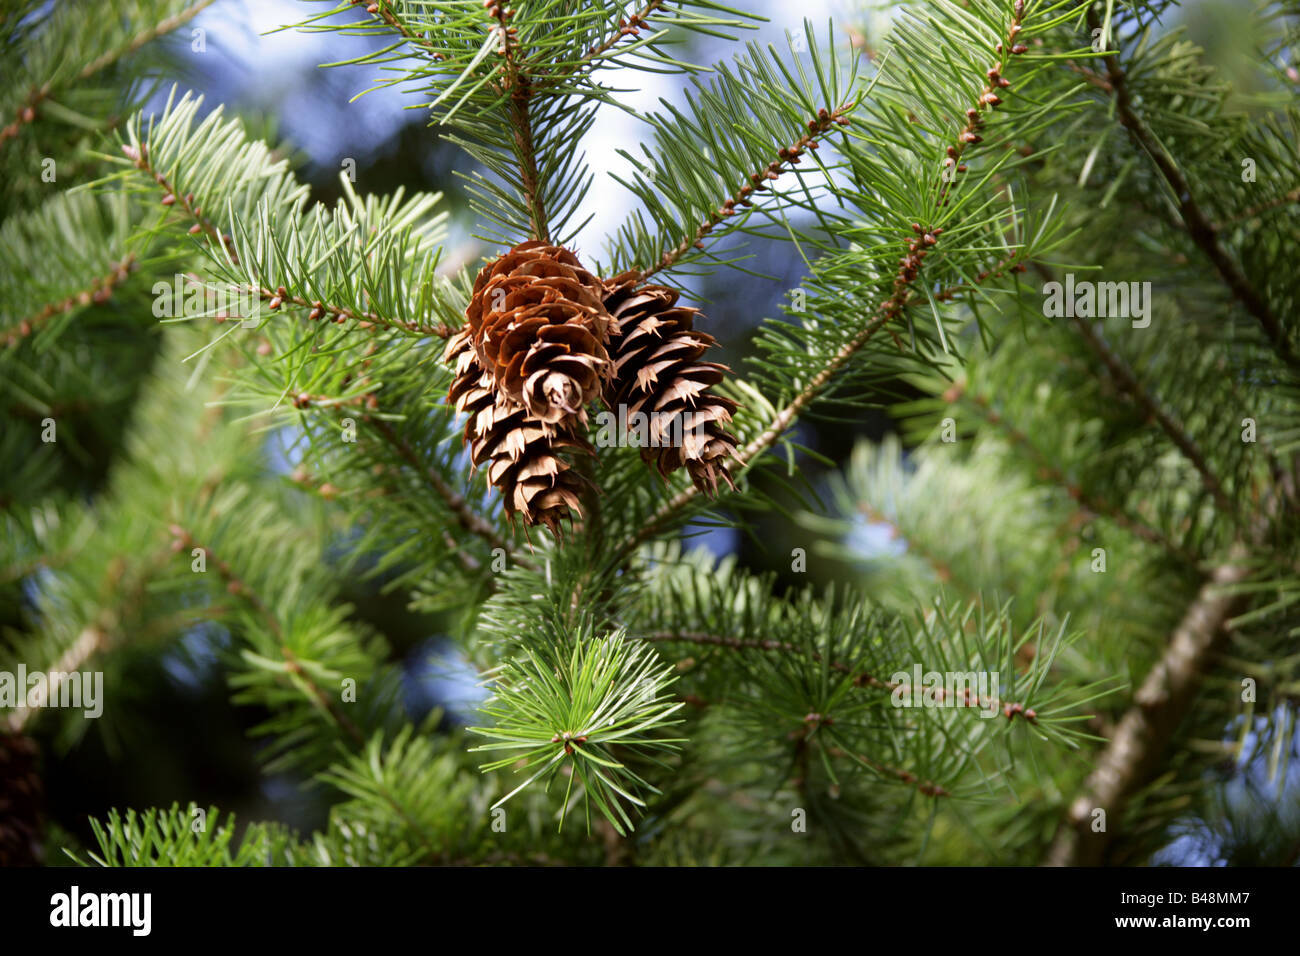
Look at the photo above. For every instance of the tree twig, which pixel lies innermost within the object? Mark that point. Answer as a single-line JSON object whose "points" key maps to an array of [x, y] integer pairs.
{"points": [[98, 291], [1197, 224], [892, 306], [28, 112], [459, 506], [630, 26], [1159, 706], [205, 227], [787, 156], [1010, 709], [518, 87], [238, 588], [1128, 383], [1089, 501]]}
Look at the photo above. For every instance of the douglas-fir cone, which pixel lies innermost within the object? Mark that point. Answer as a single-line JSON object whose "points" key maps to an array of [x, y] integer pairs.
{"points": [[543, 338]]}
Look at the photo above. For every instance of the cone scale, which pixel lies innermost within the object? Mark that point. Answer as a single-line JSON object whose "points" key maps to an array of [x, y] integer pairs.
{"points": [[543, 338]]}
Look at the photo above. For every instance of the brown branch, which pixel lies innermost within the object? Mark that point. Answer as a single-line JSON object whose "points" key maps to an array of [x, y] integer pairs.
{"points": [[305, 400], [204, 226], [1052, 473], [1128, 383], [631, 26], [988, 100], [459, 506], [385, 13], [926, 787], [1195, 222], [517, 85], [340, 313], [1010, 709], [1159, 707], [329, 492], [145, 36], [99, 291], [522, 124], [1276, 203], [95, 636], [182, 540], [1096, 79], [1144, 400], [91, 639], [1010, 263], [893, 305], [757, 183], [27, 113]]}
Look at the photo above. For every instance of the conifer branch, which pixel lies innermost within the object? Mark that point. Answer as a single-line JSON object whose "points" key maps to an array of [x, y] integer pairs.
{"points": [[99, 291], [787, 157], [29, 111], [926, 787], [630, 26], [523, 138], [1276, 202], [1010, 263], [89, 642], [384, 11], [1197, 225], [988, 99], [466, 516], [888, 309], [1051, 472], [329, 492], [1010, 709], [144, 36], [1092, 76], [97, 635], [327, 311], [433, 853], [1143, 734], [517, 86], [237, 588], [1127, 382], [204, 227]]}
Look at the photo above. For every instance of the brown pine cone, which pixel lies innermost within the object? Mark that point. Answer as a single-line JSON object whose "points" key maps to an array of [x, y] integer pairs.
{"points": [[658, 372], [20, 802], [538, 325], [521, 452]]}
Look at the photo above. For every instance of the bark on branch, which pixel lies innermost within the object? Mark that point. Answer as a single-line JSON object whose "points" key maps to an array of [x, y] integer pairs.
{"points": [[1159, 707]]}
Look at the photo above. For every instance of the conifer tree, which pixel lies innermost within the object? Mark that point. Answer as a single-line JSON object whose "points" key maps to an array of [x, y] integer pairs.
{"points": [[1046, 237]]}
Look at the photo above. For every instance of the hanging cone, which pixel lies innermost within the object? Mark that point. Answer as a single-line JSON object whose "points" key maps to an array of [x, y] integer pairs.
{"points": [[658, 372], [521, 453], [538, 326], [20, 802]]}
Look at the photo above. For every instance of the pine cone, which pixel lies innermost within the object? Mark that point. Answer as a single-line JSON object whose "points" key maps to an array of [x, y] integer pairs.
{"points": [[522, 452], [657, 372], [539, 326], [20, 802]]}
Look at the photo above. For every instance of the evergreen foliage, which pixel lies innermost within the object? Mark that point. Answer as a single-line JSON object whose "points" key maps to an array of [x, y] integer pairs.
{"points": [[1103, 510]]}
